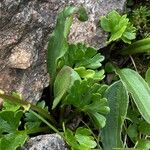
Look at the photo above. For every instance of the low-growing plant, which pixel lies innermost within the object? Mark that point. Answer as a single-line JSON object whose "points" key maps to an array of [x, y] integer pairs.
{"points": [[118, 26], [140, 18]]}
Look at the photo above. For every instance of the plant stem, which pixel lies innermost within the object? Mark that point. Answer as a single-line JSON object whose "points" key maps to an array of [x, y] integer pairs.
{"points": [[47, 123], [16, 100], [37, 130]]}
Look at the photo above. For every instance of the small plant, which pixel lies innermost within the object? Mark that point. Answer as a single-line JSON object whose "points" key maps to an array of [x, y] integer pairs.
{"points": [[118, 26]]}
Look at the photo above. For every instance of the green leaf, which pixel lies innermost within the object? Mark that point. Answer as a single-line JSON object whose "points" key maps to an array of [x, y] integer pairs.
{"points": [[119, 29], [126, 149], [10, 106], [140, 46], [118, 102], [89, 73], [118, 26], [58, 45], [83, 136], [129, 34], [79, 55], [98, 119], [85, 73], [105, 24], [9, 121], [139, 90], [132, 132], [144, 128], [87, 97], [143, 144], [70, 138], [81, 140], [13, 141], [64, 80], [31, 120], [10, 137], [147, 76], [133, 115]]}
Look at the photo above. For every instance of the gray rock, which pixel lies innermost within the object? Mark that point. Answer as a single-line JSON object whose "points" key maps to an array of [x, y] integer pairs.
{"points": [[45, 142], [25, 28]]}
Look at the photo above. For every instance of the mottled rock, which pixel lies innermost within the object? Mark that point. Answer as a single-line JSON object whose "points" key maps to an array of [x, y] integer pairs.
{"points": [[25, 27], [45, 142]]}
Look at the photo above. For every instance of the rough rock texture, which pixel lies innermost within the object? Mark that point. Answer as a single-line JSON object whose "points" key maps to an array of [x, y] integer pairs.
{"points": [[25, 26], [45, 142]]}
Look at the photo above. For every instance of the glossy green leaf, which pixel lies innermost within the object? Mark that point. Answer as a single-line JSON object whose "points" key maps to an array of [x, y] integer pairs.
{"points": [[58, 45], [64, 80], [139, 90], [147, 76], [118, 102]]}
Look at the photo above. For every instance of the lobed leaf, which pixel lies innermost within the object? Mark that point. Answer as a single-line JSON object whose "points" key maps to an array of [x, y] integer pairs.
{"points": [[87, 97], [81, 140], [79, 55], [118, 26], [13, 141], [10, 137], [89, 73]]}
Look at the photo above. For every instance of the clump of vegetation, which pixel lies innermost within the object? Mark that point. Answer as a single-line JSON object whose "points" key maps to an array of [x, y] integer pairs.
{"points": [[110, 116], [140, 17], [119, 27]]}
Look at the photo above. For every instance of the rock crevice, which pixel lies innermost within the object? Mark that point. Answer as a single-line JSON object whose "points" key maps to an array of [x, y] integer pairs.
{"points": [[24, 30]]}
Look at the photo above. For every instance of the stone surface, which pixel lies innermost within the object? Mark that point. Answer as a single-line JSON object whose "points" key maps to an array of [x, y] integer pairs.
{"points": [[25, 27], [45, 142]]}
